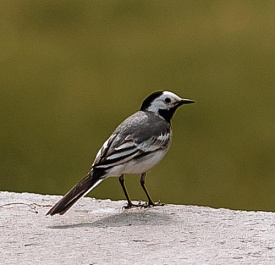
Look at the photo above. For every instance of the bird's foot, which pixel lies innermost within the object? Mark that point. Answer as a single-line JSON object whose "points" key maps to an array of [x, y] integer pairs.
{"points": [[152, 204], [143, 205], [131, 205]]}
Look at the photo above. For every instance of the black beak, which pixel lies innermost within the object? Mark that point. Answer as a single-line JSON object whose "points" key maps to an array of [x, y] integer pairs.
{"points": [[186, 101]]}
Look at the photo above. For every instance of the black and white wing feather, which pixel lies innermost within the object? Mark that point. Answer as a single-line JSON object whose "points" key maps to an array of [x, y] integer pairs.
{"points": [[138, 135]]}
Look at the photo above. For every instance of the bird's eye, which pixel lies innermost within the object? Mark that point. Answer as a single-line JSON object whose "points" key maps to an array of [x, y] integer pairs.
{"points": [[167, 100]]}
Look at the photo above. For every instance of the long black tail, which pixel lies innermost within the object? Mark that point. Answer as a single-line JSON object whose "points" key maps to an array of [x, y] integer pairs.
{"points": [[79, 190]]}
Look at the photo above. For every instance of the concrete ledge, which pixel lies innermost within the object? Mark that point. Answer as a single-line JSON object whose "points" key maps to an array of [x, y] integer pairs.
{"points": [[102, 232]]}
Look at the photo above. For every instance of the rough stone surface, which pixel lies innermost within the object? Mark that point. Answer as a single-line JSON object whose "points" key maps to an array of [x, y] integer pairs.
{"points": [[102, 232]]}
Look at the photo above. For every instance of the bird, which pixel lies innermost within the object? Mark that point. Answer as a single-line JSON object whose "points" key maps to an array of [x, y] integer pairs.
{"points": [[137, 145]]}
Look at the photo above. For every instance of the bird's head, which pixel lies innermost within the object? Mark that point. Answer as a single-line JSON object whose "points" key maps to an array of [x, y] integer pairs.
{"points": [[163, 103]]}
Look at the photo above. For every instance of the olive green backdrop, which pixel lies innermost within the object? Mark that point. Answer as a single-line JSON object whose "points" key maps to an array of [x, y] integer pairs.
{"points": [[71, 71]]}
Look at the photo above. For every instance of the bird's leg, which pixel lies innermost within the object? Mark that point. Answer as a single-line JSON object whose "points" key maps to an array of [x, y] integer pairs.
{"points": [[130, 204], [150, 201]]}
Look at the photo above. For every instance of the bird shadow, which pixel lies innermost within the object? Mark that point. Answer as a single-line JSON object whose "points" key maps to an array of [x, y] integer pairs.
{"points": [[123, 219]]}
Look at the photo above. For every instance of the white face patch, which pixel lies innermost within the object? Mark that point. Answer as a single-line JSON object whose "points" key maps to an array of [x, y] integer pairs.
{"points": [[166, 100]]}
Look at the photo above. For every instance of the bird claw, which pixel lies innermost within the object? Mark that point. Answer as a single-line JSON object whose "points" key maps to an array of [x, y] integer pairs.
{"points": [[152, 204], [143, 205], [131, 205]]}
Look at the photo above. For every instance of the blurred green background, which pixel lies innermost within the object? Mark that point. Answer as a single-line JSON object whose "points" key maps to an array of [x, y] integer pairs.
{"points": [[71, 71]]}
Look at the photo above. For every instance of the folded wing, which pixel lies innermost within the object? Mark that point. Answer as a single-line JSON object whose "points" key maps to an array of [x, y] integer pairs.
{"points": [[113, 155]]}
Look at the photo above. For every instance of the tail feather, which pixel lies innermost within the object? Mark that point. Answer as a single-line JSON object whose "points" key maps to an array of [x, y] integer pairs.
{"points": [[79, 190]]}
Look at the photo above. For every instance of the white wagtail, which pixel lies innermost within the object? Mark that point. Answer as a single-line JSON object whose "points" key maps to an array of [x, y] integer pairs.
{"points": [[136, 146]]}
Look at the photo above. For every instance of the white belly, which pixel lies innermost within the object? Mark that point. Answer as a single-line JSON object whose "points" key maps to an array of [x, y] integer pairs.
{"points": [[138, 166]]}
